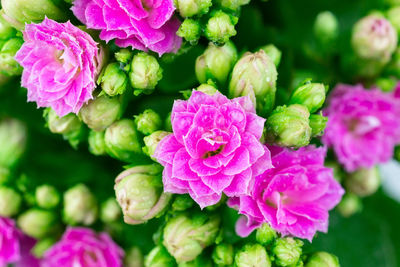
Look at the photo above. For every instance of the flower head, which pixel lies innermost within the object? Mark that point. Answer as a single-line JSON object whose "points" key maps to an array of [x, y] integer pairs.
{"points": [[84, 247], [363, 126], [214, 148], [140, 24], [60, 64], [294, 197]]}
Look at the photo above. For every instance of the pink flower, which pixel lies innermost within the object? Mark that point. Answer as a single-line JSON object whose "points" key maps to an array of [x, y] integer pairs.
{"points": [[143, 25], [83, 247], [363, 126], [214, 149], [60, 65], [294, 197]]}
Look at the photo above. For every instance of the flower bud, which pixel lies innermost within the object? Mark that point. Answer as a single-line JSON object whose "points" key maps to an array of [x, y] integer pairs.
{"points": [[168, 123], [289, 126], [139, 192], [38, 223], [97, 145], [265, 235], [159, 257], [13, 136], [200, 261], [110, 210], [374, 38], [322, 259], [19, 12], [216, 63], [220, 27], [152, 141], [326, 27], [148, 122], [6, 31], [274, 53], [8, 65], [101, 112], [64, 125], [393, 16], [124, 55], [47, 196], [185, 237], [287, 251], [363, 182], [190, 30], [189, 8], [232, 5], [255, 75], [80, 206], [317, 124], [207, 89], [122, 141], [310, 95], [349, 205], [223, 255], [182, 202], [133, 258], [252, 255], [114, 81], [145, 73], [42, 245], [10, 201]]}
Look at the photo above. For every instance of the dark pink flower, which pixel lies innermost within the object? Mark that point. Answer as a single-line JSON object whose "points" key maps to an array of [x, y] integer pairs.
{"points": [[60, 64], [143, 25], [214, 148], [294, 197]]}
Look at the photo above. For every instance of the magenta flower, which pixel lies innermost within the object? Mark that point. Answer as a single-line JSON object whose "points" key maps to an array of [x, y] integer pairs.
{"points": [[83, 247], [214, 149], [294, 197], [143, 25], [60, 64], [363, 126]]}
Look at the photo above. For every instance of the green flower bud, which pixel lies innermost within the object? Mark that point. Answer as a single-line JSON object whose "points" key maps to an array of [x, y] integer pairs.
{"points": [[220, 27], [133, 258], [189, 8], [8, 65], [207, 89], [274, 53], [287, 251], [232, 5], [159, 257], [42, 245], [110, 210], [182, 202], [139, 192], [6, 31], [322, 259], [145, 73], [38, 223], [122, 141], [200, 261], [151, 142], [124, 55], [13, 136], [19, 12], [97, 145], [252, 255], [374, 38], [216, 63], [255, 75], [265, 235], [10, 201], [101, 112], [318, 124], [363, 182], [80, 206], [114, 81], [148, 122], [386, 84], [223, 255], [64, 125], [190, 30], [168, 123], [326, 27], [185, 237], [393, 16], [47, 196], [349, 205], [289, 126], [310, 95]]}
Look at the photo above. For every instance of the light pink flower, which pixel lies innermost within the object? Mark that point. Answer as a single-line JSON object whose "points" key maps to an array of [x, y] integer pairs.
{"points": [[214, 148], [294, 197], [83, 247], [60, 64], [363, 126], [143, 25]]}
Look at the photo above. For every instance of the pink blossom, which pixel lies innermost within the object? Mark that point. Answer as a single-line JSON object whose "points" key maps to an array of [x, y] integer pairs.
{"points": [[143, 25], [83, 247], [214, 148], [294, 197], [363, 126], [60, 64]]}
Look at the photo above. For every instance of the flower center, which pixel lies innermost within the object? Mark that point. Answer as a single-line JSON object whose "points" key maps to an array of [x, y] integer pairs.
{"points": [[363, 125], [213, 153]]}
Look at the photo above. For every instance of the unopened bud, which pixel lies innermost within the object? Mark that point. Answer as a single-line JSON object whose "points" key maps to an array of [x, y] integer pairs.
{"points": [[10, 201], [200, 261], [349, 205], [38, 223], [47, 196], [6, 31], [223, 255], [124, 55], [287, 251], [393, 16], [42, 245], [318, 124], [207, 89], [322, 259], [310, 95], [363, 182], [8, 65], [232, 5], [168, 123], [110, 211], [148, 122], [274, 53], [151, 142], [326, 27], [252, 255], [220, 27], [13, 136], [190, 30], [80, 206], [189, 8], [97, 145], [265, 235], [145, 73], [182, 202], [159, 257], [114, 80], [134, 258]]}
